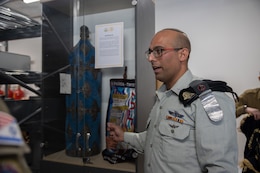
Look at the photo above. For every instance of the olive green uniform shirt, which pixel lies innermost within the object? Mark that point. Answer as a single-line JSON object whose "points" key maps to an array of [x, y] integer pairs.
{"points": [[251, 98]]}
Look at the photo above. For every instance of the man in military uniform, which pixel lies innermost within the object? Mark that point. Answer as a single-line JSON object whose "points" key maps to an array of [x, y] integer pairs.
{"points": [[197, 137], [249, 103]]}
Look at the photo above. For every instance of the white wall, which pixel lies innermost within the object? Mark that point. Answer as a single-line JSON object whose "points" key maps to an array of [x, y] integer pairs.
{"points": [[224, 36], [31, 47]]}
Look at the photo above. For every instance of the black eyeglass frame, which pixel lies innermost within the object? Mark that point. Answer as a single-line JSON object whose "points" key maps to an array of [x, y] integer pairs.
{"points": [[159, 51]]}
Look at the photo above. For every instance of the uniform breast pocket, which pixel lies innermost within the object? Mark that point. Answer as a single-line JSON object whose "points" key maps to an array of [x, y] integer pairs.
{"points": [[177, 131], [176, 142]]}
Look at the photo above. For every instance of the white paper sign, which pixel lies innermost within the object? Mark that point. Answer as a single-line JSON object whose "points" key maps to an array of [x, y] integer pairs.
{"points": [[109, 44], [65, 83]]}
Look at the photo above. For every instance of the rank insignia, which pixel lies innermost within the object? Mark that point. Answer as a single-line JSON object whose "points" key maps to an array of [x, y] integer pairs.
{"points": [[173, 126], [187, 95], [175, 116]]}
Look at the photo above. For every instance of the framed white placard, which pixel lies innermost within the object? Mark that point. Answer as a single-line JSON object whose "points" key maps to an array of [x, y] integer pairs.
{"points": [[109, 44], [65, 83]]}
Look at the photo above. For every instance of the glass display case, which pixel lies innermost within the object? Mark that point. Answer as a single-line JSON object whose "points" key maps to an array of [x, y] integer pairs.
{"points": [[62, 22]]}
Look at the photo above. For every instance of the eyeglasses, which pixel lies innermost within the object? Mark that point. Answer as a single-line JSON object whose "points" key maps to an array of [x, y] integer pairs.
{"points": [[159, 51]]}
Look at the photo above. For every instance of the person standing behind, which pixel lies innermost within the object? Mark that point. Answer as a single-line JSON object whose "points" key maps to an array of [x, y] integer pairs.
{"points": [[180, 138], [249, 103]]}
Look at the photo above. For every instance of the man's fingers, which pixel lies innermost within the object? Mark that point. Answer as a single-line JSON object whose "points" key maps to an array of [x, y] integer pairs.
{"points": [[111, 125]]}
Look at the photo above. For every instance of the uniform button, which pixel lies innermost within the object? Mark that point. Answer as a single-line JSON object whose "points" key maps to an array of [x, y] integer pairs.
{"points": [[155, 126], [151, 145], [160, 107], [149, 165], [172, 130]]}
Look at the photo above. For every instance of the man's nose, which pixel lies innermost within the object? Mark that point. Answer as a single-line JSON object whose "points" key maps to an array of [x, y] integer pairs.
{"points": [[151, 57]]}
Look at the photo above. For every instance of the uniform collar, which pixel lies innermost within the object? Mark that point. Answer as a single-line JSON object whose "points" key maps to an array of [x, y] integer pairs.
{"points": [[182, 83]]}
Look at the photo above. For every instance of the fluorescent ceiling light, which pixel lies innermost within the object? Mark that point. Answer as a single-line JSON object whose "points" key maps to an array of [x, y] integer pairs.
{"points": [[30, 1]]}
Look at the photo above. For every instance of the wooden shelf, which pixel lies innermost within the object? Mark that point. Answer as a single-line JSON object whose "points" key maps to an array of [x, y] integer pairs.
{"points": [[96, 163]]}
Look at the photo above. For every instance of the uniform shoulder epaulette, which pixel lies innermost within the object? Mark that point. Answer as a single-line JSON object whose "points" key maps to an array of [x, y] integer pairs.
{"points": [[190, 94], [203, 89]]}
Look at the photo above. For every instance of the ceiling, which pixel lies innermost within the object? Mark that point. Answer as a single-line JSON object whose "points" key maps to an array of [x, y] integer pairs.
{"points": [[31, 10]]}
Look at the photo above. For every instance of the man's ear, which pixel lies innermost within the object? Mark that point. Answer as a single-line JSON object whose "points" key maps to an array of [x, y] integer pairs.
{"points": [[184, 54]]}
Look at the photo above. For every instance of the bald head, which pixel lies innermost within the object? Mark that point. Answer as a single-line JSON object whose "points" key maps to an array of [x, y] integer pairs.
{"points": [[181, 39]]}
